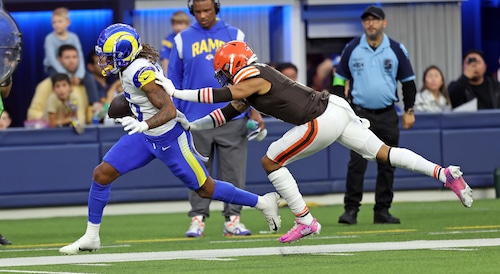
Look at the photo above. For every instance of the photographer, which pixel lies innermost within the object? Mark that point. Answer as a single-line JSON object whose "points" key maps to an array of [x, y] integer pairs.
{"points": [[475, 84]]}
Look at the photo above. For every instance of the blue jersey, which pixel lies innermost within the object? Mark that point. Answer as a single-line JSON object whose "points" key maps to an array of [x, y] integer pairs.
{"points": [[191, 63], [374, 73], [166, 46]]}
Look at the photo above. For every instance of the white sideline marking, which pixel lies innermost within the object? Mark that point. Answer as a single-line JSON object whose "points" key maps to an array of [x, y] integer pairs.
{"points": [[53, 248], [262, 251]]}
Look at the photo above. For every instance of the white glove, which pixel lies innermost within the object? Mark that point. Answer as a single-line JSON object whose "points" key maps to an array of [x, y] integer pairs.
{"points": [[165, 83], [181, 119], [132, 125]]}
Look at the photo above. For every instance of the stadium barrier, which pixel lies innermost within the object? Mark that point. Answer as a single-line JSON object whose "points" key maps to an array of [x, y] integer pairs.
{"points": [[53, 167]]}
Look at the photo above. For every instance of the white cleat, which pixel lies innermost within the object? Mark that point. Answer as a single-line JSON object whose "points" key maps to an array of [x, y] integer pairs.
{"points": [[85, 243], [456, 182], [270, 210]]}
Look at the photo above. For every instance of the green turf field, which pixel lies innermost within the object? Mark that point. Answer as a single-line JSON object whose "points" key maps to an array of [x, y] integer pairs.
{"points": [[412, 247]]}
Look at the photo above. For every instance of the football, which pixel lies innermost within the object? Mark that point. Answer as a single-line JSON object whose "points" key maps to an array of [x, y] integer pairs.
{"points": [[119, 107]]}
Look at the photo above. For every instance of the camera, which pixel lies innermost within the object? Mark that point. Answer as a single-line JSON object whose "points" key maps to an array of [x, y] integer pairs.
{"points": [[471, 60]]}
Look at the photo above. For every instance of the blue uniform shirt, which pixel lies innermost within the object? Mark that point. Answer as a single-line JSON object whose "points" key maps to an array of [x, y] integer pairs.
{"points": [[191, 63], [166, 46], [374, 73]]}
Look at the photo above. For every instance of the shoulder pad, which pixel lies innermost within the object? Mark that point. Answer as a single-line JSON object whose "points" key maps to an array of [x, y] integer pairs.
{"points": [[245, 73]]}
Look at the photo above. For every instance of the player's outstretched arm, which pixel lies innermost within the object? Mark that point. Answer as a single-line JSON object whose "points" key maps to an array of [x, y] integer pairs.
{"points": [[219, 116], [238, 91]]}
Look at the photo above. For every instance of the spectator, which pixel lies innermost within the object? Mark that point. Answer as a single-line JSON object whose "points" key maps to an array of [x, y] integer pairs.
{"points": [[69, 60], [433, 97], [62, 106], [191, 67], [5, 120], [288, 69], [374, 63], [102, 82], [475, 84], [179, 21]]}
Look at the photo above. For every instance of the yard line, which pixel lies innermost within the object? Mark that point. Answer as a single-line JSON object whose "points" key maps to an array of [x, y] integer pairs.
{"points": [[264, 251]]}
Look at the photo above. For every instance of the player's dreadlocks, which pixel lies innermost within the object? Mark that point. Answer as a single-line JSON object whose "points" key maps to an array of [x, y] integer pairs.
{"points": [[149, 53]]}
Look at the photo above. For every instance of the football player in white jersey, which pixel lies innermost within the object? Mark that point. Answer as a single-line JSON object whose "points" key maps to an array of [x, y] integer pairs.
{"points": [[152, 133]]}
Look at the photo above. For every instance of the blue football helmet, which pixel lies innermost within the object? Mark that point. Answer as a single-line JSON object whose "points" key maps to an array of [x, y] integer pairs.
{"points": [[117, 46]]}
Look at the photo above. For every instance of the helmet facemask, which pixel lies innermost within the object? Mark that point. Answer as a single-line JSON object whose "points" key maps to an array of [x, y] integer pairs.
{"points": [[223, 76]]}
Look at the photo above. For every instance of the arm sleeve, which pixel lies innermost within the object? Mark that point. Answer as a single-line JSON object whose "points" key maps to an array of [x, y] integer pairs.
{"points": [[215, 118], [205, 95], [409, 92]]}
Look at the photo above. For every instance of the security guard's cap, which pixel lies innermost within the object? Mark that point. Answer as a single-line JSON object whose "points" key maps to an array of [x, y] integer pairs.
{"points": [[374, 11]]}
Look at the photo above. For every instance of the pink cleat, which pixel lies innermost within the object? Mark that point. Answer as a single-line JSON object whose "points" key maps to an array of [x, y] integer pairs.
{"points": [[455, 182], [299, 231]]}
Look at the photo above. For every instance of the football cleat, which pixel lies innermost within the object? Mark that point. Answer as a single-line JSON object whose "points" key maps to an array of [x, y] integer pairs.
{"points": [[300, 230], [456, 182], [85, 243]]}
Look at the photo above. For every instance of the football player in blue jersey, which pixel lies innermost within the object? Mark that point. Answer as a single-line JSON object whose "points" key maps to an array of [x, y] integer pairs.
{"points": [[152, 133]]}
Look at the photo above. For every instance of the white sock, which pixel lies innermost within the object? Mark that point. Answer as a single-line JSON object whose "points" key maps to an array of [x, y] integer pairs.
{"points": [[407, 159], [287, 187], [92, 229]]}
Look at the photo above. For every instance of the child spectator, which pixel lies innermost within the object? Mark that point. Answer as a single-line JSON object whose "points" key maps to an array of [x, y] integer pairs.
{"points": [[61, 36], [180, 21], [61, 109]]}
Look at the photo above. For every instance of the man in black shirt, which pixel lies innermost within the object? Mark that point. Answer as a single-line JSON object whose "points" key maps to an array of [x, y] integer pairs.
{"points": [[475, 83]]}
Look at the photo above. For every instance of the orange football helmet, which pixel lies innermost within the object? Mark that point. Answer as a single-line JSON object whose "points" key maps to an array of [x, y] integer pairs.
{"points": [[231, 58]]}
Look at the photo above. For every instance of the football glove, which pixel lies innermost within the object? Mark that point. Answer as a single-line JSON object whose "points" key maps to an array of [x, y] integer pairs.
{"points": [[181, 119], [165, 83], [132, 125]]}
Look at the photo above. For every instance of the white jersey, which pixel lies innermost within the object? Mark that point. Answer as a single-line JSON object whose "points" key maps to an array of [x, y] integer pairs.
{"points": [[139, 73]]}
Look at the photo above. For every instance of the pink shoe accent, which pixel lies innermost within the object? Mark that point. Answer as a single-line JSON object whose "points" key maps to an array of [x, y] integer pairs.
{"points": [[459, 186], [299, 231]]}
